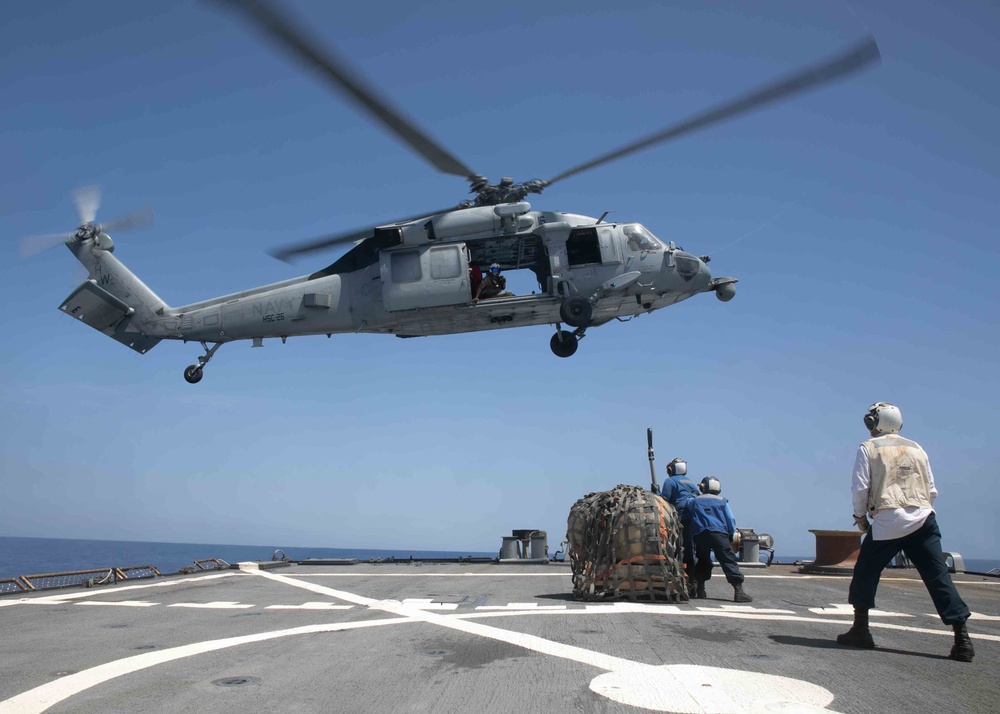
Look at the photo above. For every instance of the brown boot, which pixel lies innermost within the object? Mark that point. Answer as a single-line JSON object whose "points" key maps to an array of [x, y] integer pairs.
{"points": [[859, 635], [962, 649]]}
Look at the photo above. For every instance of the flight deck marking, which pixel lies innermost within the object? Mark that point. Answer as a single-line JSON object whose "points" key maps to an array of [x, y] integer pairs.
{"points": [[661, 688], [119, 603], [840, 608], [749, 609], [214, 605], [310, 606], [427, 575], [429, 604], [521, 606], [978, 616]]}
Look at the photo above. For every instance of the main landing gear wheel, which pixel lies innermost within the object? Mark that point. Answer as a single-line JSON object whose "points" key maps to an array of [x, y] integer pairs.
{"points": [[194, 372], [563, 344], [576, 311]]}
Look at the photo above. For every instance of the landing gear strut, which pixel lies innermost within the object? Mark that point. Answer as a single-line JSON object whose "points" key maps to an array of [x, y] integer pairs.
{"points": [[194, 372], [564, 343]]}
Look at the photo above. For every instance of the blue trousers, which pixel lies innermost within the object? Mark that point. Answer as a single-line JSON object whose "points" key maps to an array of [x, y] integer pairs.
{"points": [[688, 538], [707, 542], [923, 548]]}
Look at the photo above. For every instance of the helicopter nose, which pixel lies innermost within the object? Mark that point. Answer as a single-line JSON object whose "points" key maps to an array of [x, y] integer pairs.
{"points": [[692, 270]]}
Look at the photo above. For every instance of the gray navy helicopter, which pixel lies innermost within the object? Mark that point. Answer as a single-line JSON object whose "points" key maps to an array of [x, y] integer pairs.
{"points": [[416, 276]]}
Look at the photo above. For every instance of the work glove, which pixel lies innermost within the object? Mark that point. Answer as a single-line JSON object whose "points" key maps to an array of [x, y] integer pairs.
{"points": [[862, 523], [737, 539]]}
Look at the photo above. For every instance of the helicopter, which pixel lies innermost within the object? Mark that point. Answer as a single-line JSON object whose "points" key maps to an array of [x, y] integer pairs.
{"points": [[419, 275]]}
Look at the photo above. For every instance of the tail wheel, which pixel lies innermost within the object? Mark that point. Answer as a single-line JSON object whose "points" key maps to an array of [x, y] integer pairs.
{"points": [[193, 374], [576, 311], [563, 344]]}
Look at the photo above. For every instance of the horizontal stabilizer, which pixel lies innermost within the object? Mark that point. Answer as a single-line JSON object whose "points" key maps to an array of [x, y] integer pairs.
{"points": [[95, 306]]}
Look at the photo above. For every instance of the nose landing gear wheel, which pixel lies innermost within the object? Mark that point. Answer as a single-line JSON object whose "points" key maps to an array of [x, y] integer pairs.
{"points": [[193, 374], [563, 344], [576, 311]]}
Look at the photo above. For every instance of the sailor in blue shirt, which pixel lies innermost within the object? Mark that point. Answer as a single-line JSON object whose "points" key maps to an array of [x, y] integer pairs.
{"points": [[678, 490], [714, 528]]}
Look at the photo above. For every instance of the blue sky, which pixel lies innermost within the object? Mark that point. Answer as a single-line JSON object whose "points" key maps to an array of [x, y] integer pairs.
{"points": [[861, 220]]}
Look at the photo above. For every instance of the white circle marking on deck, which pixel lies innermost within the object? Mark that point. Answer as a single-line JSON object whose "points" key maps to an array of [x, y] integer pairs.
{"points": [[694, 689]]}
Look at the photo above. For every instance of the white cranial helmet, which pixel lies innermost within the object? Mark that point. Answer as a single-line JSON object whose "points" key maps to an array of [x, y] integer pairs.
{"points": [[677, 467], [710, 484], [883, 418]]}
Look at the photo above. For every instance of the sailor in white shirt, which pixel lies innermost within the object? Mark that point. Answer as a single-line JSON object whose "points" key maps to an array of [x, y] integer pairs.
{"points": [[893, 484]]}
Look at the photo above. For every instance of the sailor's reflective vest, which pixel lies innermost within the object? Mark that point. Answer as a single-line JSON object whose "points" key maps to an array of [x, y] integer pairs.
{"points": [[899, 474]]}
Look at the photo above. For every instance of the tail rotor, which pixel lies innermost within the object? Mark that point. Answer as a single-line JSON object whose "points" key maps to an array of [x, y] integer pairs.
{"points": [[87, 200]]}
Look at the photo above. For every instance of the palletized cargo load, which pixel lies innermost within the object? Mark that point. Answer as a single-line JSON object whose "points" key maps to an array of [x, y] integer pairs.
{"points": [[626, 543]]}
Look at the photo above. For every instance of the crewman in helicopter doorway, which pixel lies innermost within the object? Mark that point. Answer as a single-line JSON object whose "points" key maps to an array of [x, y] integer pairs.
{"points": [[493, 284]]}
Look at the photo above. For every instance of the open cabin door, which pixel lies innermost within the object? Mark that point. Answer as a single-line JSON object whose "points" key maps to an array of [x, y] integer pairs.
{"points": [[592, 245], [428, 276]]}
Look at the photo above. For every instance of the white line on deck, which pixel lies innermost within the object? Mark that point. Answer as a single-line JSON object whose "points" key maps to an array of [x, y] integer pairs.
{"points": [[214, 605], [521, 606], [428, 575], [310, 606], [119, 603], [841, 608], [979, 616], [429, 604]]}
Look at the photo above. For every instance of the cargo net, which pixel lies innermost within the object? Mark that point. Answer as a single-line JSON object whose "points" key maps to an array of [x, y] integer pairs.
{"points": [[626, 543]]}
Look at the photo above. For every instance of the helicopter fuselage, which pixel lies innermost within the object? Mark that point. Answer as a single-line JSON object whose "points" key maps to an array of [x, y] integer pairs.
{"points": [[416, 279]]}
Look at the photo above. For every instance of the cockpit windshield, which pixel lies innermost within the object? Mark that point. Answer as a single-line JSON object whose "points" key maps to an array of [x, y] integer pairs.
{"points": [[639, 238]]}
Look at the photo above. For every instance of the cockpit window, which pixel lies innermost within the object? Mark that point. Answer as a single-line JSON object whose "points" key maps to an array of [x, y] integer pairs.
{"points": [[639, 238]]}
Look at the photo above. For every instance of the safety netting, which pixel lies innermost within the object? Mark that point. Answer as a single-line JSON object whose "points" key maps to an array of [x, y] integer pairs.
{"points": [[626, 543]]}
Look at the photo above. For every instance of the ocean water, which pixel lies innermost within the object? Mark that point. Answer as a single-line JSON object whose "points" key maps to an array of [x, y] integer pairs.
{"points": [[31, 556]]}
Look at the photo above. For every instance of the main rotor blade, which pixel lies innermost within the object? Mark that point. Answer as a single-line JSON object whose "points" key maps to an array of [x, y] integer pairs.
{"points": [[139, 218], [87, 200], [843, 64], [353, 236], [278, 26], [33, 245]]}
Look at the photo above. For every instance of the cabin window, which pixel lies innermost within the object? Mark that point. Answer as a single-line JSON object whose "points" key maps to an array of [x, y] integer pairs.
{"points": [[406, 266], [582, 246], [446, 263]]}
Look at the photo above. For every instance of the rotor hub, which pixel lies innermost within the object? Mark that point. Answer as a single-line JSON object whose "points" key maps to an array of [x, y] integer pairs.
{"points": [[492, 194], [87, 231]]}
